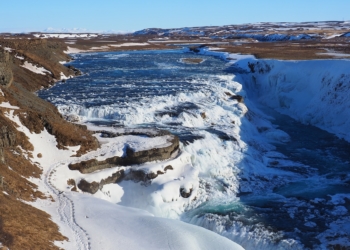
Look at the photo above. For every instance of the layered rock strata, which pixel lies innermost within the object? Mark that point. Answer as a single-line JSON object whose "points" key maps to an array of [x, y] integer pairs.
{"points": [[131, 157]]}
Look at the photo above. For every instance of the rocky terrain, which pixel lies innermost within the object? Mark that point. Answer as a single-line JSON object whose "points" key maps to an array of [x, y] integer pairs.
{"points": [[19, 226]]}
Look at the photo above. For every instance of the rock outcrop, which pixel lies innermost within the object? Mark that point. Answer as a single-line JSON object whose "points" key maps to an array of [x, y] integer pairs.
{"points": [[239, 98], [121, 175], [93, 187], [131, 157], [8, 137], [6, 76]]}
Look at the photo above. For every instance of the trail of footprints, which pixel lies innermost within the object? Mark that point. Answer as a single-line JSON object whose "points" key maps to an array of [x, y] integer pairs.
{"points": [[66, 211]]}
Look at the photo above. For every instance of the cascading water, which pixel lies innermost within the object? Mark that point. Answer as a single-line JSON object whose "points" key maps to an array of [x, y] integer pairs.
{"points": [[259, 183]]}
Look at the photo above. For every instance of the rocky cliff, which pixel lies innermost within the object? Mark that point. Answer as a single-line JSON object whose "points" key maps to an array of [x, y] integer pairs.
{"points": [[6, 76], [19, 226], [7, 137]]}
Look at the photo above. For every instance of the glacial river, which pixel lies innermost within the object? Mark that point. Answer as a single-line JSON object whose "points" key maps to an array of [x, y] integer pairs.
{"points": [[285, 193]]}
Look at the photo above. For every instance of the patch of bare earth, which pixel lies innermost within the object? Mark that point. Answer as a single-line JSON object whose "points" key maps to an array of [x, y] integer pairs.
{"points": [[300, 50]]}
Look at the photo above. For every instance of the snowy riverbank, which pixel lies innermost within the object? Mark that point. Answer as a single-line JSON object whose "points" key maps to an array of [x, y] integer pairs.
{"points": [[91, 223]]}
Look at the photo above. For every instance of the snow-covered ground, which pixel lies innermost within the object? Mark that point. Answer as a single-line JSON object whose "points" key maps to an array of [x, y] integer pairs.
{"points": [[91, 223], [71, 50], [129, 44], [19, 57], [314, 92], [112, 226], [35, 69], [7, 104]]}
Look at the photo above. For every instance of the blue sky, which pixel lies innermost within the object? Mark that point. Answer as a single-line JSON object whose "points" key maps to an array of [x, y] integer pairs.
{"points": [[131, 15]]}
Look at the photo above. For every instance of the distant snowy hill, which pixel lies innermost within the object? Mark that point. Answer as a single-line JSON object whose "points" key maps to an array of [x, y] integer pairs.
{"points": [[259, 31]]}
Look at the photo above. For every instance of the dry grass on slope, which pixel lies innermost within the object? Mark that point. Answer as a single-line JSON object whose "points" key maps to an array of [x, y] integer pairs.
{"points": [[25, 227], [21, 225]]}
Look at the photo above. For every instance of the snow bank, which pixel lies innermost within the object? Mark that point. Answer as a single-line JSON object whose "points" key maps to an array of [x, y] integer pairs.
{"points": [[90, 222], [128, 44], [19, 57], [315, 92], [71, 50], [117, 227], [334, 54], [8, 49], [35, 69], [7, 104], [229, 57], [64, 35], [64, 77]]}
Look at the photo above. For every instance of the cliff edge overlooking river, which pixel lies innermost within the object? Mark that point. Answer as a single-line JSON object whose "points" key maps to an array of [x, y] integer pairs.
{"points": [[20, 222]]}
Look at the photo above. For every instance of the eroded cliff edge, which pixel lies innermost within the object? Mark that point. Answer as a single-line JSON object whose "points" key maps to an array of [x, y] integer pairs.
{"points": [[19, 222]]}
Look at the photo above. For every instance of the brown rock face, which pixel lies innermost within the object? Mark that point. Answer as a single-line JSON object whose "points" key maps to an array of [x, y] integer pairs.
{"points": [[6, 76], [94, 186], [2, 158], [7, 137], [88, 187], [121, 175]]}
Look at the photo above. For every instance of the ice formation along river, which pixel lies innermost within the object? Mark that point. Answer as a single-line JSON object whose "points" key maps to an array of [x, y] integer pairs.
{"points": [[258, 176]]}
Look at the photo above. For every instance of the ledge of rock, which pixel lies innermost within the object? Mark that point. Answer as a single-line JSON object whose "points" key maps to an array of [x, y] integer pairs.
{"points": [[131, 157], [133, 175]]}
